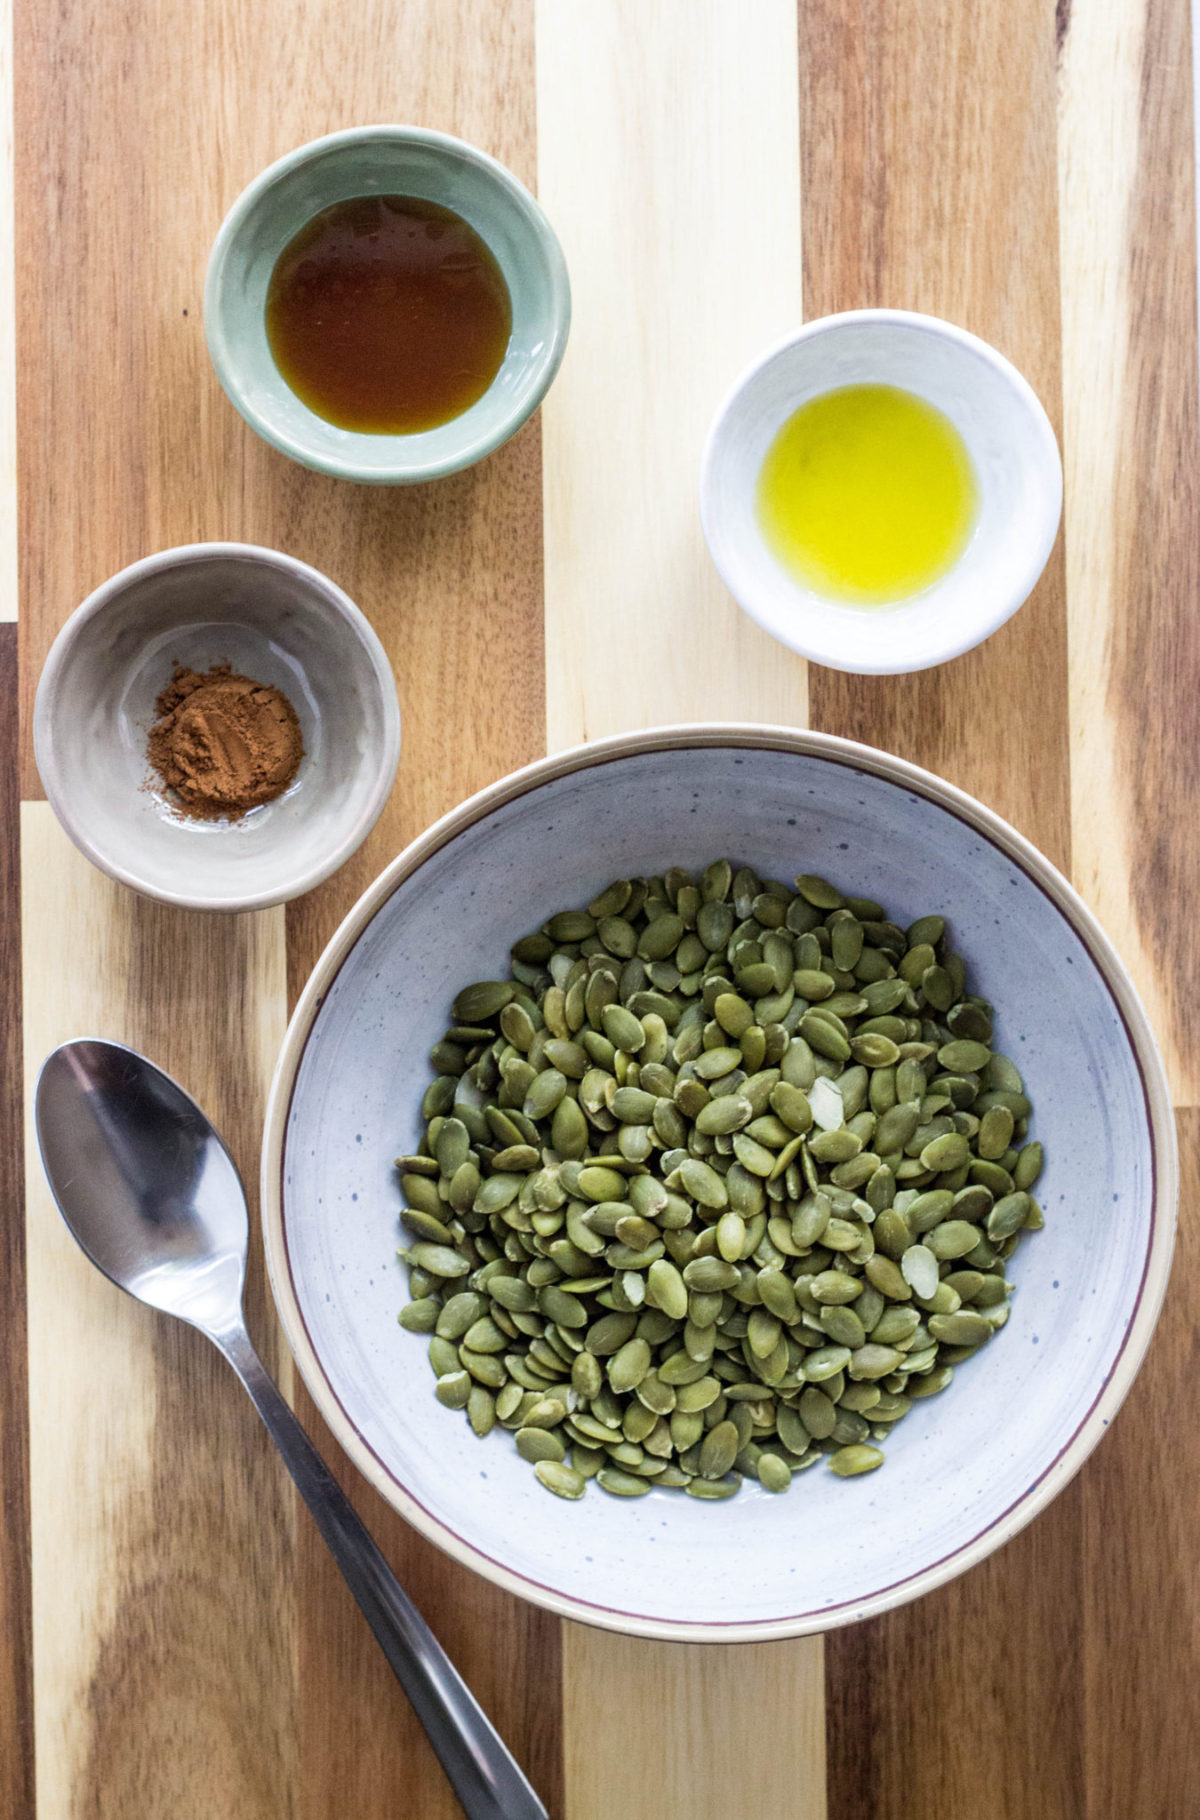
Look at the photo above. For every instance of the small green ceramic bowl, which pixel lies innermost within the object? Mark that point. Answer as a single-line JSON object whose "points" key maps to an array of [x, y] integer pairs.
{"points": [[385, 160]]}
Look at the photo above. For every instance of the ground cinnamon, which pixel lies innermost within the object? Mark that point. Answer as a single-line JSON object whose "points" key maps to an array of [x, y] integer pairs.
{"points": [[223, 743]]}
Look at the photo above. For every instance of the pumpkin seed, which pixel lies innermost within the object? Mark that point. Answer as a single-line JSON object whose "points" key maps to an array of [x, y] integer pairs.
{"points": [[696, 1169], [534, 1444], [1028, 1167], [420, 1316], [849, 1462], [620, 1484], [774, 1473], [952, 1239], [563, 1481]]}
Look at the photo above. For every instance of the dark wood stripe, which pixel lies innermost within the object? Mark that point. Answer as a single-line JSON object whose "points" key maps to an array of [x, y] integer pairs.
{"points": [[1141, 1663], [919, 124], [1154, 675], [16, 1668]]}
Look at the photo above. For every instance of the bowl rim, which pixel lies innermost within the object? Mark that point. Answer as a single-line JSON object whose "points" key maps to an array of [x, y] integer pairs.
{"points": [[1040, 546], [45, 705], [545, 367], [1163, 1157]]}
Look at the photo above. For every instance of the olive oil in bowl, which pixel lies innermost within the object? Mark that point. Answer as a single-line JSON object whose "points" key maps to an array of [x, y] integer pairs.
{"points": [[867, 495]]}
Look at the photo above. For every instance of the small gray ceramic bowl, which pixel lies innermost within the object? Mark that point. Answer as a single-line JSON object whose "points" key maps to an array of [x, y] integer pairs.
{"points": [[967, 1469], [385, 160], [272, 618]]}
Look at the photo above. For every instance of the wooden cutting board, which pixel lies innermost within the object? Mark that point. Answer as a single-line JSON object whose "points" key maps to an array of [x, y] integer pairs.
{"points": [[173, 1639]]}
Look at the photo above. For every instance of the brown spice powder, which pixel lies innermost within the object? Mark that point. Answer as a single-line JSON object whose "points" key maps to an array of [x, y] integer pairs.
{"points": [[223, 743]]}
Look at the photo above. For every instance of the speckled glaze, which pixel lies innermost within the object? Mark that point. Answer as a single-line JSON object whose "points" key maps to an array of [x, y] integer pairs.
{"points": [[966, 1469]]}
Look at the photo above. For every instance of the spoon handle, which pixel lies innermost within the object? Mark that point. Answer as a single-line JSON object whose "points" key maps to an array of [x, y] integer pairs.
{"points": [[479, 1766]]}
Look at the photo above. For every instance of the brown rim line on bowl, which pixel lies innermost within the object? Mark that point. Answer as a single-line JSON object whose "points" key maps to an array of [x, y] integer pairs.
{"points": [[1127, 1009]]}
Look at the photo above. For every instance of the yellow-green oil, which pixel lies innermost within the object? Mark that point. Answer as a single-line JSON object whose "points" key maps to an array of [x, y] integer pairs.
{"points": [[867, 495]]}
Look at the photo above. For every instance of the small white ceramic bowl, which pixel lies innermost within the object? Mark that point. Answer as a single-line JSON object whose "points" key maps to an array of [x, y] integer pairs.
{"points": [[965, 1470], [1012, 448], [274, 619]]}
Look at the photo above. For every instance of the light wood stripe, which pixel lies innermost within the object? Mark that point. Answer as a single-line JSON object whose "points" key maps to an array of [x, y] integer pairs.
{"points": [[667, 160], [706, 1731], [1130, 430], [8, 330], [927, 153], [1126, 205], [163, 1610]]}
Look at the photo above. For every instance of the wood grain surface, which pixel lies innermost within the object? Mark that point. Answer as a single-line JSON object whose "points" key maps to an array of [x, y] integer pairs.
{"points": [[173, 1638]]}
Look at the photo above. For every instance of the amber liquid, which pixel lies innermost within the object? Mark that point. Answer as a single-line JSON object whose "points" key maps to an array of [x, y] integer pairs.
{"points": [[388, 314]]}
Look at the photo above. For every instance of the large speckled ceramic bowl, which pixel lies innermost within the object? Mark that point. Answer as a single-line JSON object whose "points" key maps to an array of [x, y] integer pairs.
{"points": [[966, 1469]]}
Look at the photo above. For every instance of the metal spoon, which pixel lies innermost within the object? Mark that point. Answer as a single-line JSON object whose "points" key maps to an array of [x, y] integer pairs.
{"points": [[151, 1194]]}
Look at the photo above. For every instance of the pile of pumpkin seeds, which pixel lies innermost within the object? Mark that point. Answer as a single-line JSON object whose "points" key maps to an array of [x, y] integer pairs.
{"points": [[722, 1179]]}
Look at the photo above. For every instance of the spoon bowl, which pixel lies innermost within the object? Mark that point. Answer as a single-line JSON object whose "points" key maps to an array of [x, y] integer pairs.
{"points": [[145, 1184]]}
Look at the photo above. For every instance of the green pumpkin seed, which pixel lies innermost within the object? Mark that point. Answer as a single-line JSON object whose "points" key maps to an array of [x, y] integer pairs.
{"points": [[710, 1274], [702, 1128], [599, 1183], [962, 1056], [534, 1444], [774, 1473], [479, 1004], [703, 1183], [1007, 1216], [563, 1481], [420, 1316], [629, 1365], [830, 1286], [454, 1389], [945, 1153], [819, 892], [995, 1132], [547, 1412], [1028, 1167], [930, 1383], [952, 1239], [719, 1450], [723, 1116], [439, 1260], [459, 1313], [619, 1484], [886, 1276], [960, 1329], [426, 1226], [850, 1462], [824, 1037], [874, 1361]]}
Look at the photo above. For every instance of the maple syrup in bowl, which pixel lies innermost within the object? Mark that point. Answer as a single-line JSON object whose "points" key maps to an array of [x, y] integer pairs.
{"points": [[386, 305], [388, 314]]}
